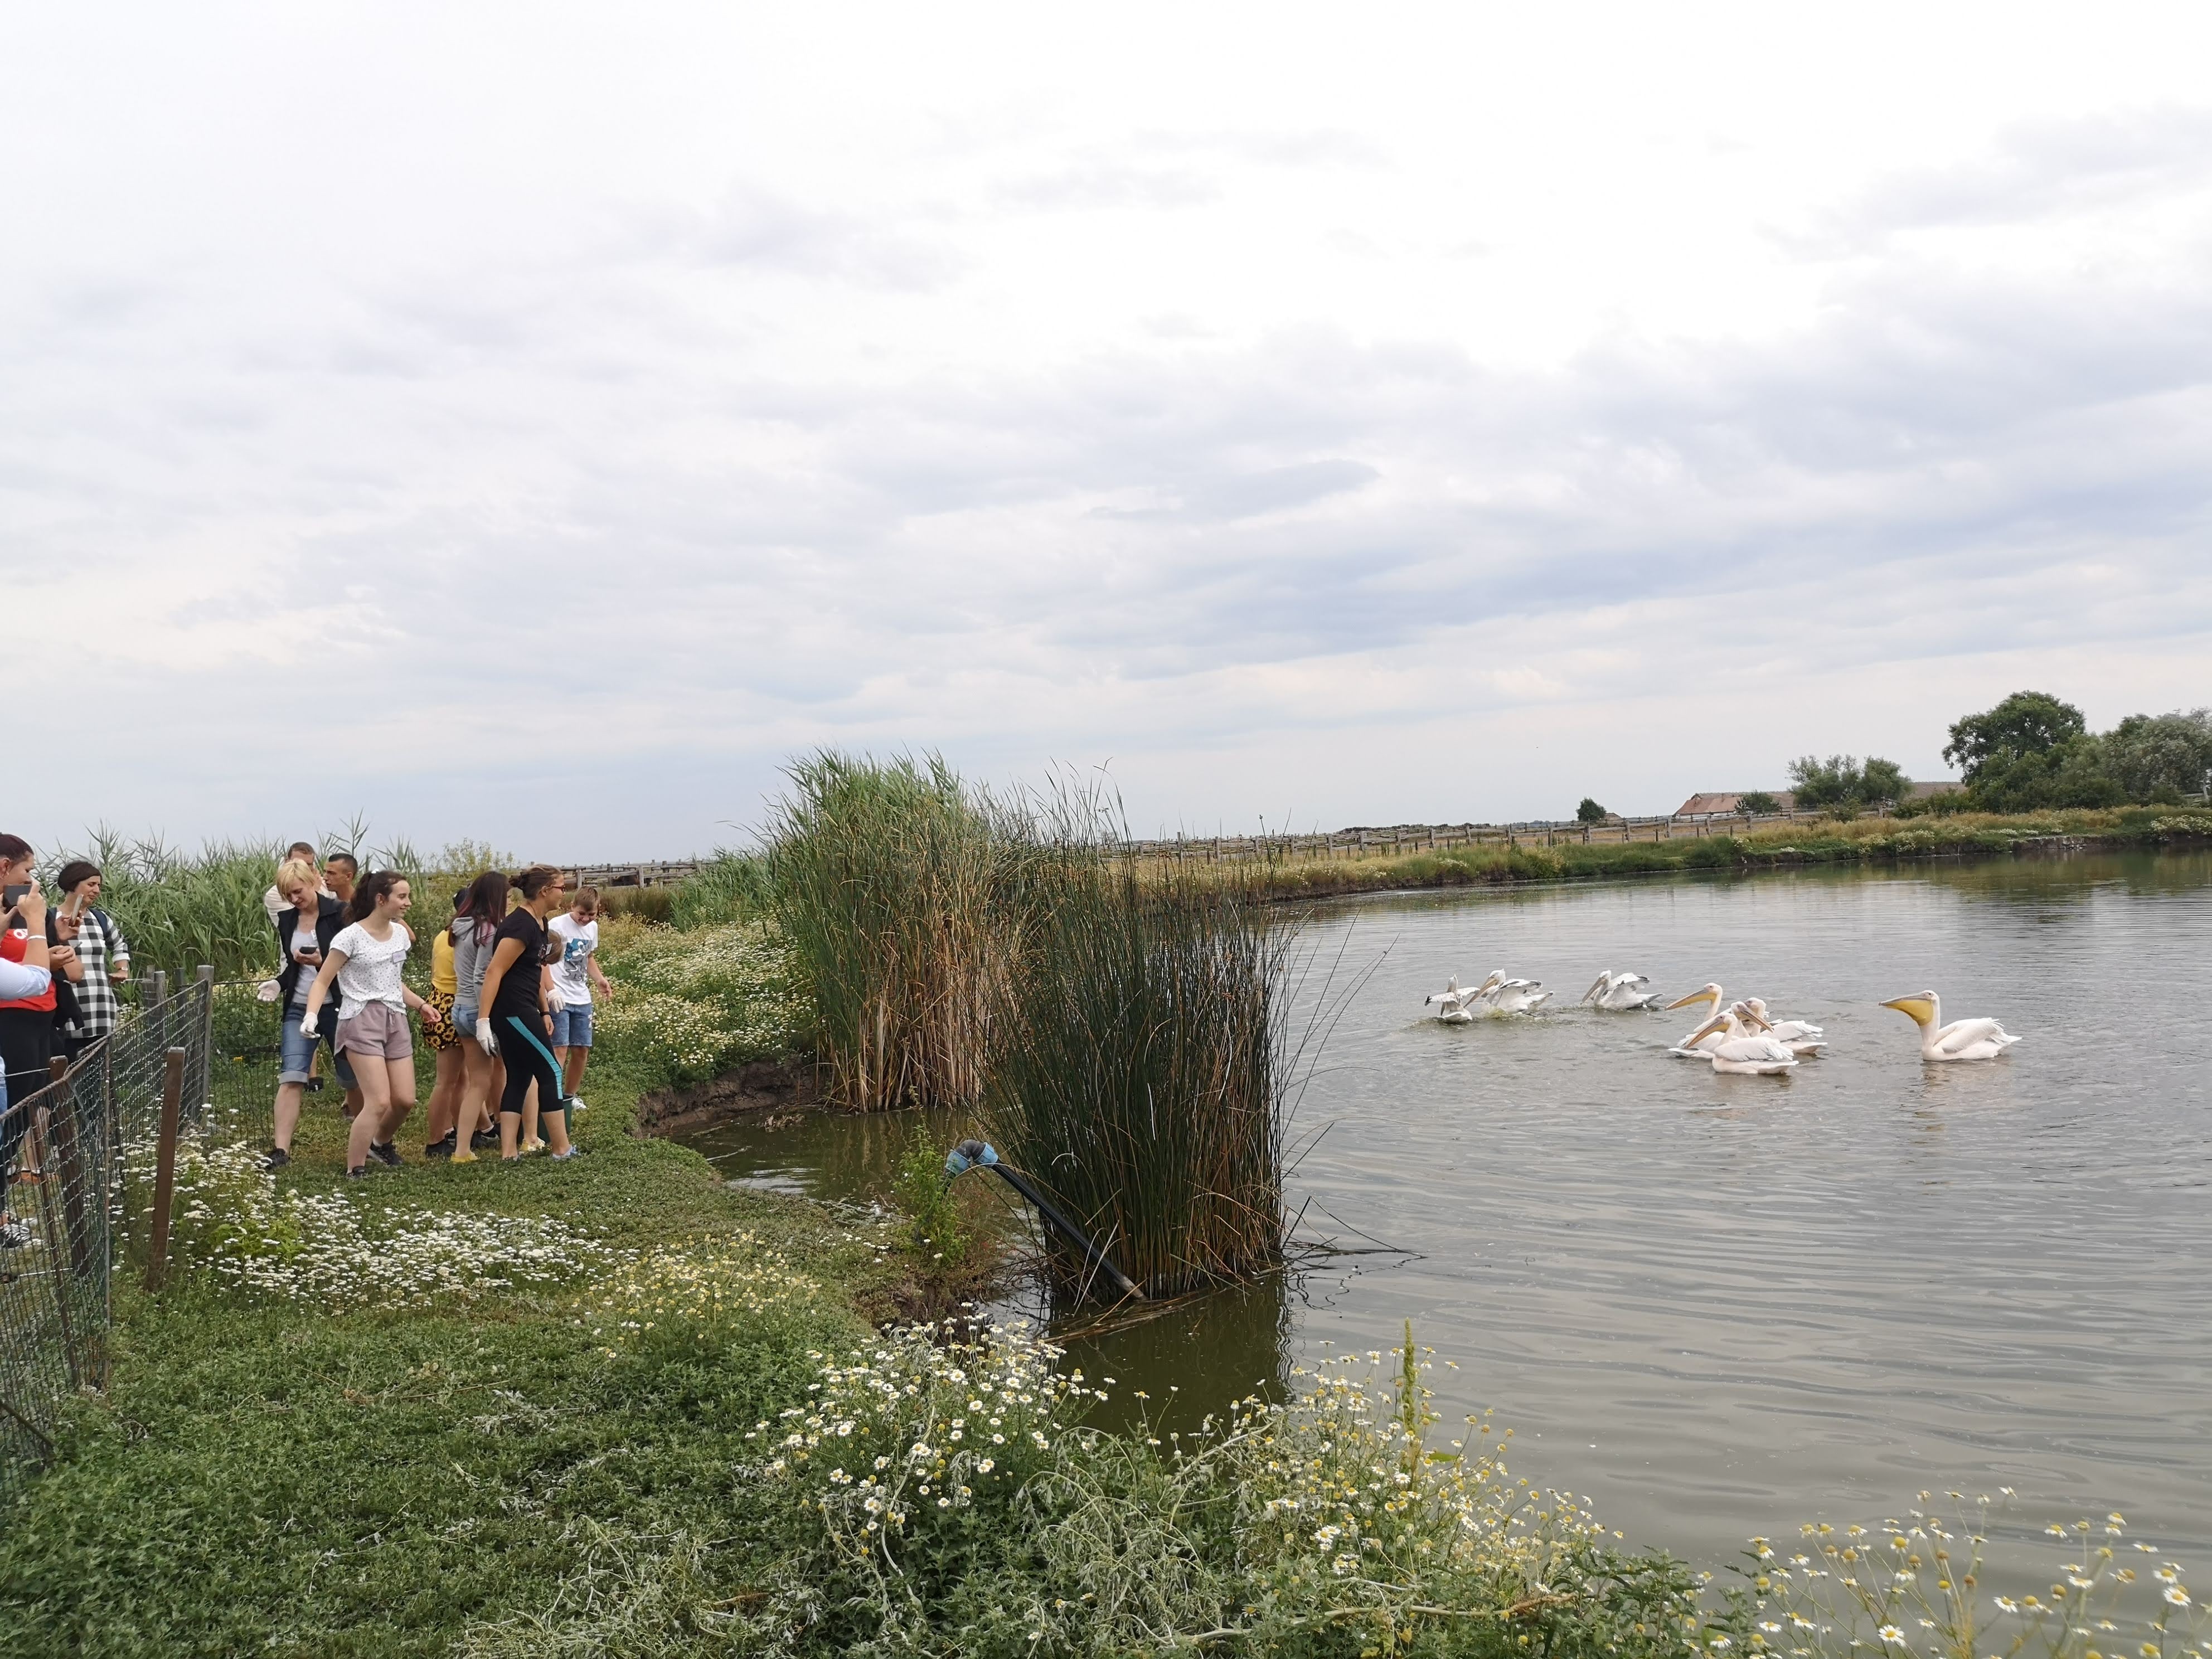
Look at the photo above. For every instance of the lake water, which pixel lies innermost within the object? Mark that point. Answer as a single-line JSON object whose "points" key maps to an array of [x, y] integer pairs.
{"points": [[1723, 1306]]}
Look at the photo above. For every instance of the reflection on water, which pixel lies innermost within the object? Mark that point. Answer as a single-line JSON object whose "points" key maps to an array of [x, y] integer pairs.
{"points": [[1720, 1305]]}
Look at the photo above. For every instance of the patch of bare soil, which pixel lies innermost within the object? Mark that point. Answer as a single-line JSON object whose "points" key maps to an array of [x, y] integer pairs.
{"points": [[757, 1087]]}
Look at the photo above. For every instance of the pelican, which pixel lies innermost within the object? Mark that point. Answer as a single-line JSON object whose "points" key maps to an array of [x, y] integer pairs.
{"points": [[1739, 1045], [1803, 1039], [1501, 995], [1621, 994], [1694, 1046], [1453, 1004], [1962, 1039]]}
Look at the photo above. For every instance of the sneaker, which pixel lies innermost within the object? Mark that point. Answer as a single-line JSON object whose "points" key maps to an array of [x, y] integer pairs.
{"points": [[314, 1086], [384, 1154], [482, 1138], [573, 1152], [439, 1148], [463, 1156], [14, 1235], [277, 1159], [358, 1173]]}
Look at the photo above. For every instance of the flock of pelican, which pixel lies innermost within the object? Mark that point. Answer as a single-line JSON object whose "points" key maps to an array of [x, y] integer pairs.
{"points": [[1741, 1037]]}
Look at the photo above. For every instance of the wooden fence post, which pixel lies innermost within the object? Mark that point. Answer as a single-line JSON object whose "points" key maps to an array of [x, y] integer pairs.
{"points": [[69, 1157], [157, 989], [165, 1167]]}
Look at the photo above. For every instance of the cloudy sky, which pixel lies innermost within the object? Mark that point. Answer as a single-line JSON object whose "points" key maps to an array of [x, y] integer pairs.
{"points": [[534, 423]]}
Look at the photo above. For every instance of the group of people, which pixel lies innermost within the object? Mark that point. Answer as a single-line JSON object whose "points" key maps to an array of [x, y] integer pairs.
{"points": [[60, 963], [508, 1014]]}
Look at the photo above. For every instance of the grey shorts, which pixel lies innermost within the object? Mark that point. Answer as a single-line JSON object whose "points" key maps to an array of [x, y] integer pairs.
{"points": [[379, 1031]]}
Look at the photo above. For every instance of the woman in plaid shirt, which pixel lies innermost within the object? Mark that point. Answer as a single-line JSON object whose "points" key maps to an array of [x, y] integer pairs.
{"points": [[100, 946]]}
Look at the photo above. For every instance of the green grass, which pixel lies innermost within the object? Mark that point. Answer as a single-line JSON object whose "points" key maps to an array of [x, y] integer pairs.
{"points": [[1862, 841], [276, 1479]]}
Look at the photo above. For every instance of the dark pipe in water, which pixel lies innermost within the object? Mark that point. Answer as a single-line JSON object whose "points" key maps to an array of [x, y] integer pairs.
{"points": [[979, 1154]]}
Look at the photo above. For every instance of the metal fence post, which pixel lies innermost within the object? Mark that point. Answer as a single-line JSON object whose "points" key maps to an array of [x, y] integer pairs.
{"points": [[165, 1169]]}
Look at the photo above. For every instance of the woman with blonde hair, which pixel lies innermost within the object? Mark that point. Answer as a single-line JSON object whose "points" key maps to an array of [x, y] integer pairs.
{"points": [[305, 931]]}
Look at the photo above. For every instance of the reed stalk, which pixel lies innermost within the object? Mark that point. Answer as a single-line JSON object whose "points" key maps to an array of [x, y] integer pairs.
{"points": [[885, 877], [1139, 1075]]}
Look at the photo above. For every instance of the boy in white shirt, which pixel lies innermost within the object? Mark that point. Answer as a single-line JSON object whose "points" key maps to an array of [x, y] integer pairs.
{"points": [[573, 975]]}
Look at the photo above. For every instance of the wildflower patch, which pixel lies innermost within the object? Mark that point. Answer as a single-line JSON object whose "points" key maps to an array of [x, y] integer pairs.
{"points": [[690, 1006], [332, 1252]]}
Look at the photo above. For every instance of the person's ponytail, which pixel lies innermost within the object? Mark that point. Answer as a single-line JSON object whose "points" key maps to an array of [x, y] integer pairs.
{"points": [[372, 889], [535, 880]]}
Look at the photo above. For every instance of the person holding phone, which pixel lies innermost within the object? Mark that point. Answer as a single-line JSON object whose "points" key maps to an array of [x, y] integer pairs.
{"points": [[103, 955], [26, 979], [305, 931], [512, 1023], [26, 1022], [364, 962]]}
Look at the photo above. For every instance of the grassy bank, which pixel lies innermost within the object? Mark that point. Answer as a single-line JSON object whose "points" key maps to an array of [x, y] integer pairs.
{"points": [[1862, 841], [613, 1407]]}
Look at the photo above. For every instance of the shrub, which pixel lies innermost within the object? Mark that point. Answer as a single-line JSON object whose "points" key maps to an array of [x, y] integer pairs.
{"points": [[1916, 1588], [886, 878], [690, 1006], [935, 1232], [965, 1509], [733, 888]]}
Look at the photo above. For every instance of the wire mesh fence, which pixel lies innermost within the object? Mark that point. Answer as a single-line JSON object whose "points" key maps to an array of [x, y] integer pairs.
{"points": [[84, 1184]]}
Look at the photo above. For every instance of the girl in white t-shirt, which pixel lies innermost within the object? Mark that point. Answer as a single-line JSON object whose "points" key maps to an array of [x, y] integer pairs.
{"points": [[365, 961]]}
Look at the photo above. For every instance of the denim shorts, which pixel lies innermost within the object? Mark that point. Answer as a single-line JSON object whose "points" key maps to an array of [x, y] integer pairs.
{"points": [[465, 1019], [298, 1052], [572, 1026]]}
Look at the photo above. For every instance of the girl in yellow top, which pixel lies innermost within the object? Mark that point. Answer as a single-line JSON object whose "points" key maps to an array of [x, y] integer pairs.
{"points": [[446, 1087]]}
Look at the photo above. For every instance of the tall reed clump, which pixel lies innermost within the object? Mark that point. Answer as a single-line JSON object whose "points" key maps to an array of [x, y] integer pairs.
{"points": [[178, 909], [885, 876], [1141, 1071]]}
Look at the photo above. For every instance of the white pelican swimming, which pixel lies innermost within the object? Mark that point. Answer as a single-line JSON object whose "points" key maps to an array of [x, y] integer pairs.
{"points": [[1694, 1046], [1621, 994], [1501, 995], [1962, 1039], [1734, 1043], [1802, 1035], [1453, 1004]]}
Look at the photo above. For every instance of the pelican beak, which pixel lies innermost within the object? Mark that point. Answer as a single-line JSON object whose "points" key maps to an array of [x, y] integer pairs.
{"points": [[1706, 1030], [1753, 1017], [1594, 988], [1694, 996], [1915, 1007]]}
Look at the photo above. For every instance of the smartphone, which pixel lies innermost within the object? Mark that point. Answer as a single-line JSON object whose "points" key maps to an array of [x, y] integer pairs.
{"points": [[15, 894], [310, 956]]}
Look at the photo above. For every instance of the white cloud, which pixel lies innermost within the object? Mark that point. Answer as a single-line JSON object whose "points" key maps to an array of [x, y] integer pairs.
{"points": [[519, 430]]}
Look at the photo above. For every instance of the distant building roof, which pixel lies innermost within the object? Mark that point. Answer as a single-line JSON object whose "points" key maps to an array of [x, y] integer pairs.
{"points": [[1722, 804]]}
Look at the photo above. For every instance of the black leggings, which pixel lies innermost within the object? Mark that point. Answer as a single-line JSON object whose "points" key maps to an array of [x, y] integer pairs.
{"points": [[27, 1040], [522, 1046]]}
